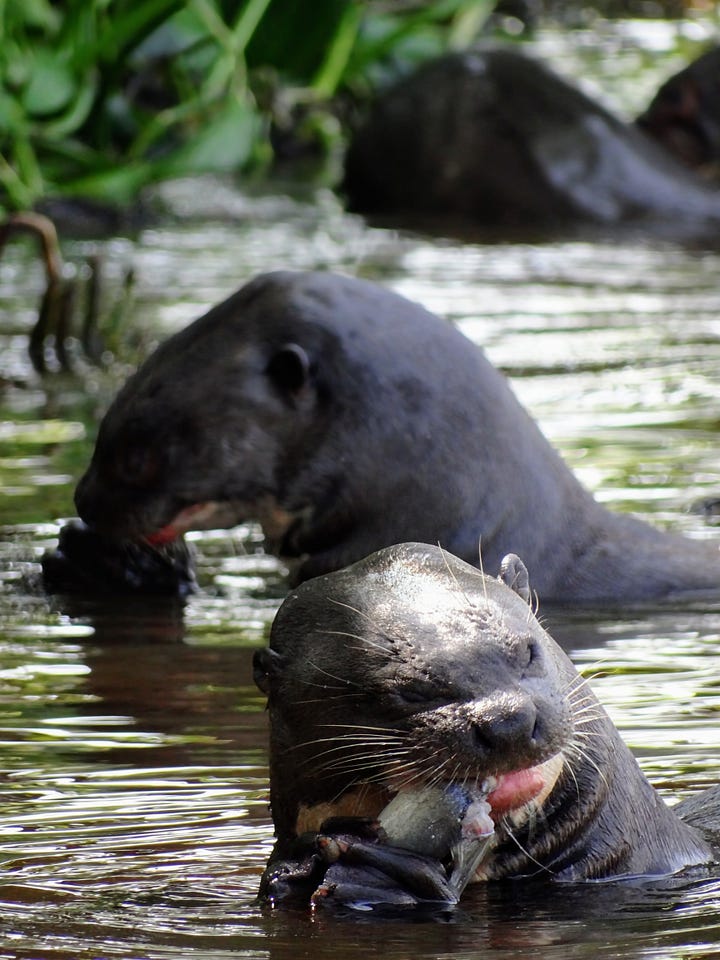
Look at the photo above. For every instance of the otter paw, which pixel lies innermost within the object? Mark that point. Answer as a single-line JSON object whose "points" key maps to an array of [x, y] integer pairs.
{"points": [[364, 873], [86, 562], [291, 882]]}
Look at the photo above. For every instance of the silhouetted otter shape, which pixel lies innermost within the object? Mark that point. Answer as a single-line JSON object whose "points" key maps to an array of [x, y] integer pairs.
{"points": [[684, 115], [345, 418], [493, 138], [412, 671]]}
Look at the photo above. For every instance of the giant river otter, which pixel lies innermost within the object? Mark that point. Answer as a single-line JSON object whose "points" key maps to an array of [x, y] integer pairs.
{"points": [[493, 138], [684, 115], [412, 671], [345, 418]]}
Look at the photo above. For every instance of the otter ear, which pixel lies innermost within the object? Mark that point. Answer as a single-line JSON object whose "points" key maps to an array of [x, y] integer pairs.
{"points": [[513, 573], [266, 668], [289, 368]]}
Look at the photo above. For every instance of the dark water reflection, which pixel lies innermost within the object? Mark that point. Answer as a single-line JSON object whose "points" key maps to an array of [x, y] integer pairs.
{"points": [[133, 768]]}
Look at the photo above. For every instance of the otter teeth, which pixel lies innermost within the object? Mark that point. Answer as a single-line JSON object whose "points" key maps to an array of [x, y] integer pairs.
{"points": [[488, 785]]}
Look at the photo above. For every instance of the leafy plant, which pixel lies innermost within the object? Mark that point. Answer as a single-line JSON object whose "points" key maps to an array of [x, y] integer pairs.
{"points": [[100, 97]]}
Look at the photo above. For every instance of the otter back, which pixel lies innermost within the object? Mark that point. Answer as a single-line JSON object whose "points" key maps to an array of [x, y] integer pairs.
{"points": [[345, 418]]}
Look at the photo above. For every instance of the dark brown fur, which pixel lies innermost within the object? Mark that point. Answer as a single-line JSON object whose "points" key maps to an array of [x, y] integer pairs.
{"points": [[346, 418], [411, 666], [684, 115], [491, 138]]}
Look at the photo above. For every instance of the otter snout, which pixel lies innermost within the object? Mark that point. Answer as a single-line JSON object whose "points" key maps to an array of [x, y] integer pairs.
{"points": [[102, 509], [506, 730], [505, 725], [106, 508]]}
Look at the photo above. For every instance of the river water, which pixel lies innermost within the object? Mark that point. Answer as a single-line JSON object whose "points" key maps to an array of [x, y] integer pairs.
{"points": [[133, 764]]}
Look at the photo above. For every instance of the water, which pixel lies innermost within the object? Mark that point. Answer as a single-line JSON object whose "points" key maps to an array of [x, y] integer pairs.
{"points": [[133, 765]]}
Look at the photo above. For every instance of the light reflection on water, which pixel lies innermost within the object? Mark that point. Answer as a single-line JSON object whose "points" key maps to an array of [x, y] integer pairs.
{"points": [[133, 780]]}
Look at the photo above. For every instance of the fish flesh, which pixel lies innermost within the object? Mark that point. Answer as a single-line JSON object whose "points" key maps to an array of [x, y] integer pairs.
{"points": [[447, 823]]}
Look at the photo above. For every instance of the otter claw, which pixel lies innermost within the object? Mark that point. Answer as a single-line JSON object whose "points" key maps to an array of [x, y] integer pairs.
{"points": [[293, 879], [386, 874], [360, 888]]}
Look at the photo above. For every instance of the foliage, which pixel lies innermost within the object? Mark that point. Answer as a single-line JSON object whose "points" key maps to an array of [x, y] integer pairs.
{"points": [[101, 97]]}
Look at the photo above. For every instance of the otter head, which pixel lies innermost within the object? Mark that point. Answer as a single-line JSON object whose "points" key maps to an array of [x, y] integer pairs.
{"points": [[207, 431], [409, 668], [412, 668], [311, 403]]}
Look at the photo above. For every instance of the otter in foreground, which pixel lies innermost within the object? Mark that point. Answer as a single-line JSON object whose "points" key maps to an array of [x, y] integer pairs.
{"points": [[411, 672], [345, 418]]}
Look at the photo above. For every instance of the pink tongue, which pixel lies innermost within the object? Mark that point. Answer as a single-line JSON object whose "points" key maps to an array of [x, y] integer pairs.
{"points": [[189, 518], [515, 790], [163, 535]]}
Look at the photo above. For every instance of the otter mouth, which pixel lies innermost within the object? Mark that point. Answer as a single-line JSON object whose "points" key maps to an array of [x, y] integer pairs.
{"points": [[509, 794], [223, 514], [452, 822], [463, 824], [198, 516], [508, 799]]}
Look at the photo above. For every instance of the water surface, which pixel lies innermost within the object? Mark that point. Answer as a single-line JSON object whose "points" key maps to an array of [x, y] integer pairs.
{"points": [[133, 764]]}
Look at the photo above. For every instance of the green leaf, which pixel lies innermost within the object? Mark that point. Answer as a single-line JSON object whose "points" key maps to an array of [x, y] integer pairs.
{"points": [[130, 23], [32, 13], [27, 166], [77, 112], [468, 22], [294, 36], [119, 185], [246, 24], [12, 116], [224, 142], [328, 77], [19, 197], [51, 86]]}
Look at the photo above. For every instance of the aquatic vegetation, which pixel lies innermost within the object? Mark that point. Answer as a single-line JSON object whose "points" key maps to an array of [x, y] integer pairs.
{"points": [[100, 98]]}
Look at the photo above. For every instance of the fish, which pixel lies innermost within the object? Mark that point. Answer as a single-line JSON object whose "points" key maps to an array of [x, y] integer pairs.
{"points": [[449, 823]]}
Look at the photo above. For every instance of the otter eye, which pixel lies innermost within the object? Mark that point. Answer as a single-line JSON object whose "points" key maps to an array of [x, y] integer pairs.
{"points": [[417, 693], [137, 465], [529, 654]]}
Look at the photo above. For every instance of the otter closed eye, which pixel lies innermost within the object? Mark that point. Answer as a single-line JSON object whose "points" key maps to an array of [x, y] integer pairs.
{"points": [[418, 694], [530, 655]]}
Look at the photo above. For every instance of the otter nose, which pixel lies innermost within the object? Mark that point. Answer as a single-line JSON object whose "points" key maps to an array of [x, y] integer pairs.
{"points": [[506, 725]]}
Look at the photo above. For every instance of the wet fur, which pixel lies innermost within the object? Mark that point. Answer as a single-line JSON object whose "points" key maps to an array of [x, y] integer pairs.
{"points": [[493, 138], [345, 419], [411, 667]]}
